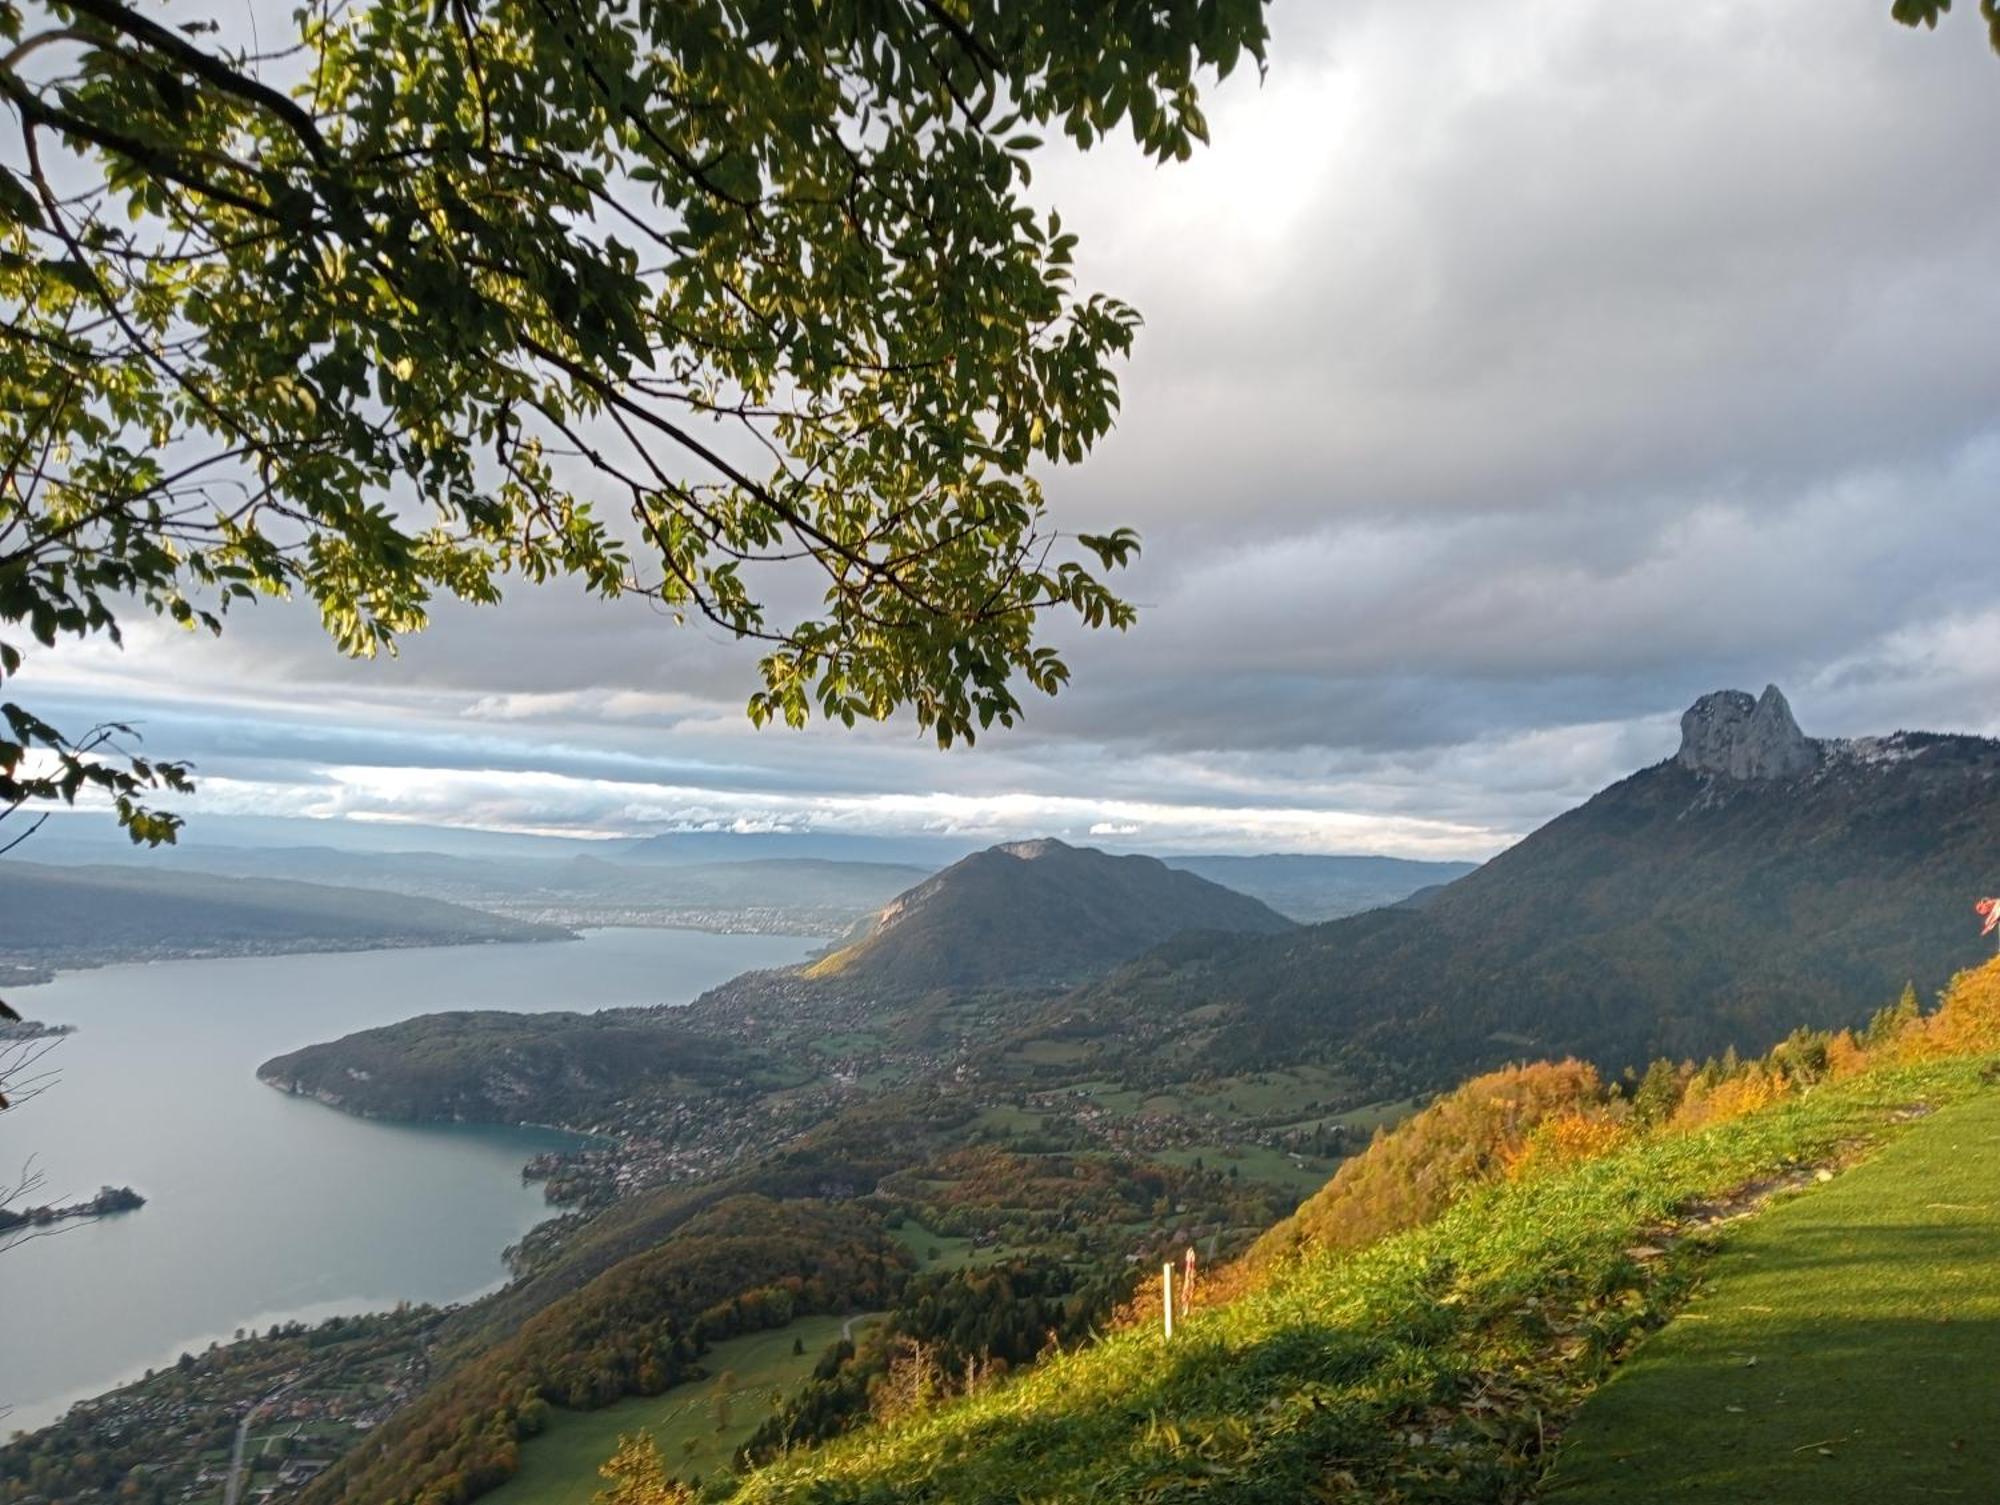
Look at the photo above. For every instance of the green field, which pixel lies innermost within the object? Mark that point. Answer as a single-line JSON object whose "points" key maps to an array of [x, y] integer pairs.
{"points": [[560, 1466], [1303, 1174], [1047, 1053], [1005, 1119], [936, 1251], [1842, 1351], [1276, 1096], [1379, 1115]]}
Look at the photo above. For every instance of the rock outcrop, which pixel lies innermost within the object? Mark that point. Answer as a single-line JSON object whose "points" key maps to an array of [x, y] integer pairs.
{"points": [[1730, 735]]}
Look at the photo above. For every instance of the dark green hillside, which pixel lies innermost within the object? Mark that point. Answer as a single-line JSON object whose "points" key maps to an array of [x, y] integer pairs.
{"points": [[837, 1160], [89, 916], [1037, 912], [492, 1067], [1681, 911]]}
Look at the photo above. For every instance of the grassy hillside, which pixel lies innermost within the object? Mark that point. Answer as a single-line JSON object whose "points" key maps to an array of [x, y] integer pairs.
{"points": [[88, 916], [1839, 1354], [1418, 1170], [1037, 912], [1440, 1362]]}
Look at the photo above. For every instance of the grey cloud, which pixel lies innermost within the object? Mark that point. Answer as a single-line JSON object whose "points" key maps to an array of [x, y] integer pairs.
{"points": [[1512, 375], [1604, 250]]}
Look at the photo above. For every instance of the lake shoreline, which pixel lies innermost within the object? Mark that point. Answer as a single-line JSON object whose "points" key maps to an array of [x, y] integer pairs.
{"points": [[43, 971], [265, 1208], [15, 973]]}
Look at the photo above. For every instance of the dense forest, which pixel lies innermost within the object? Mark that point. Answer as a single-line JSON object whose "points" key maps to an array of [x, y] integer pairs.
{"points": [[1085, 1201], [951, 1331], [497, 1067]]}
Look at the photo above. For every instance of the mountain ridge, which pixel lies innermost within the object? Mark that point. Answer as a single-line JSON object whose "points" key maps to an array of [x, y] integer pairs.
{"points": [[1711, 900], [1036, 911]]}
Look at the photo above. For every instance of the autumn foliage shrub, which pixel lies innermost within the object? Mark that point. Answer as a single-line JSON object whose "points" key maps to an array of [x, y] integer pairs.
{"points": [[1967, 1023], [1846, 1057], [1524, 1120], [1414, 1171], [637, 1475], [1749, 1088], [1574, 1135]]}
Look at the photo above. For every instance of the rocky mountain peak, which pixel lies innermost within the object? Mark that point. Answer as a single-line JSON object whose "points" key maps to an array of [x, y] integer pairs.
{"points": [[1731, 735]]}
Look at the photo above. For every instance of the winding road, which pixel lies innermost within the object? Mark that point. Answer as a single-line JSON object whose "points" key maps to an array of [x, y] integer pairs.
{"points": [[235, 1481]]}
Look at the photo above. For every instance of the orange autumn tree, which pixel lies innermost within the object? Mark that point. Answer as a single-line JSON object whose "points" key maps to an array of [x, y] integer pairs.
{"points": [[637, 1476]]}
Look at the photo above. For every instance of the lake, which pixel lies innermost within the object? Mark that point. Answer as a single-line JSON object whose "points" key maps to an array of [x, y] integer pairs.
{"points": [[262, 1207]]}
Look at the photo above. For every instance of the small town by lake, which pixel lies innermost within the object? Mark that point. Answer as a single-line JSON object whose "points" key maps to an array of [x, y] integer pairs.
{"points": [[260, 1207]]}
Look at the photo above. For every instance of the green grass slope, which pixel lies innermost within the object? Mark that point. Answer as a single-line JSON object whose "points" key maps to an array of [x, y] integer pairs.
{"points": [[1434, 1365], [560, 1466], [1842, 1350]]}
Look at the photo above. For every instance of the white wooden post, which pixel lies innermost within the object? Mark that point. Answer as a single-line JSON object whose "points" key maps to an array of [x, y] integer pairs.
{"points": [[1167, 1296]]}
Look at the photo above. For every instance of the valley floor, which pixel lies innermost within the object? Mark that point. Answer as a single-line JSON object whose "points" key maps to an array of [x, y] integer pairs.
{"points": [[1841, 1350]]}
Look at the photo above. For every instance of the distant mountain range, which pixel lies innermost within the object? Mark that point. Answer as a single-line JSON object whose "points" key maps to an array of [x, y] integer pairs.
{"points": [[91, 838], [1758, 881], [87, 916], [795, 882], [804, 896], [678, 848], [1308, 887], [1036, 912]]}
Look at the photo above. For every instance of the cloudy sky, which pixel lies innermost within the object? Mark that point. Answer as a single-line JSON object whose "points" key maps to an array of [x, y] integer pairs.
{"points": [[1513, 372]]}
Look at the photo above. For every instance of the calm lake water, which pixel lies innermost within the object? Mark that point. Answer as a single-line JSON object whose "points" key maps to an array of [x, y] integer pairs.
{"points": [[262, 1207]]}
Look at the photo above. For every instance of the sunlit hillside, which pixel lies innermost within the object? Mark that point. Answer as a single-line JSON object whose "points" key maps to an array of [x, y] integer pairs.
{"points": [[1438, 1363]]}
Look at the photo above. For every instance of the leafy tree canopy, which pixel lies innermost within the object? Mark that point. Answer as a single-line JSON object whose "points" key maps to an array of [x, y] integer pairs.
{"points": [[1930, 12], [737, 305]]}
